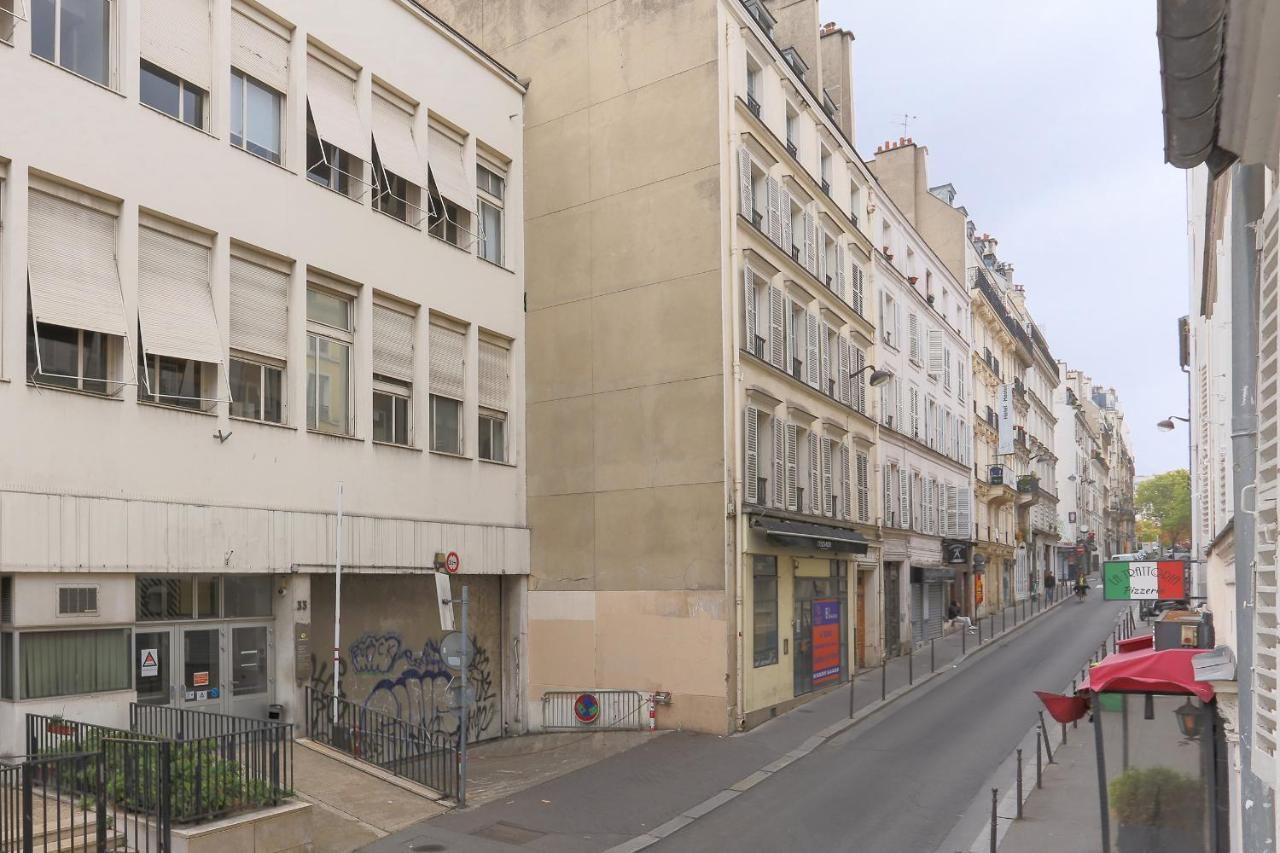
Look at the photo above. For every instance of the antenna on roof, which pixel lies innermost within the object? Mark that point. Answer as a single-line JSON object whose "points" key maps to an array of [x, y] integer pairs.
{"points": [[906, 122]]}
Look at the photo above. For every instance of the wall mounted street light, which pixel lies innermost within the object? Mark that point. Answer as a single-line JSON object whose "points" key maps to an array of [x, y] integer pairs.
{"points": [[878, 377], [1167, 424]]}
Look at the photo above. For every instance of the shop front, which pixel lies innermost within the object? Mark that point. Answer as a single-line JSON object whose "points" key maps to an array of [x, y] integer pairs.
{"points": [[930, 594]]}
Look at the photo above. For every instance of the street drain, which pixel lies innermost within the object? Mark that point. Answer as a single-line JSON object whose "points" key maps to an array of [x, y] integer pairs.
{"points": [[426, 846]]}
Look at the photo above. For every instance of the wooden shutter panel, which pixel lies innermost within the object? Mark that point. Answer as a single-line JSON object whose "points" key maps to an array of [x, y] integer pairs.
{"points": [[856, 280], [946, 367], [259, 309], [788, 239], [904, 499], [844, 387], [965, 523], [260, 47], [779, 466], [898, 406], [890, 510], [810, 243], [846, 506], [775, 218], [744, 188], [749, 309], [824, 355], [915, 411], [777, 342], [844, 297], [913, 336], [860, 379], [792, 473], [827, 483], [751, 470], [935, 353], [393, 343], [864, 488], [811, 349]]}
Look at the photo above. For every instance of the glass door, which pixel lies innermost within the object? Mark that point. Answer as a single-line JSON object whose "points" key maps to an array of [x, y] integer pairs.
{"points": [[153, 667], [202, 688], [250, 668]]}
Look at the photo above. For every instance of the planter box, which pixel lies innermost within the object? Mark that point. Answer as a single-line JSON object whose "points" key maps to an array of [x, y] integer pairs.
{"points": [[282, 829]]}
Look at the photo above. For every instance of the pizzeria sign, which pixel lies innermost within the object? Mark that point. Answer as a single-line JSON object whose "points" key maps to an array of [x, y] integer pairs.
{"points": [[1139, 580]]}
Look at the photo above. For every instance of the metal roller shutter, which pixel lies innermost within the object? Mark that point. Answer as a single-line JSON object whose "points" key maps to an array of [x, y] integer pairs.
{"points": [[175, 305], [936, 593], [260, 47], [392, 343], [447, 159], [71, 262], [917, 613], [331, 93], [495, 376], [177, 35], [448, 350], [259, 309]]}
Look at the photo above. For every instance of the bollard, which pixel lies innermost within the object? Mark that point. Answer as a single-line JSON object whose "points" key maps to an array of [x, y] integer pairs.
{"points": [[964, 641], [1039, 757], [994, 828], [883, 662], [1044, 733], [1019, 783], [911, 659], [852, 679], [1004, 619], [979, 630], [1064, 733], [931, 661]]}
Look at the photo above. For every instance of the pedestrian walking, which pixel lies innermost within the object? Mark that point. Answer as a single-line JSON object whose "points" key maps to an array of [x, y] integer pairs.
{"points": [[1050, 581], [954, 615]]}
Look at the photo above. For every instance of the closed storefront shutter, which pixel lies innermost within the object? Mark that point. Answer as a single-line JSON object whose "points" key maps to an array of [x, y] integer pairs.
{"points": [[936, 594], [917, 612]]}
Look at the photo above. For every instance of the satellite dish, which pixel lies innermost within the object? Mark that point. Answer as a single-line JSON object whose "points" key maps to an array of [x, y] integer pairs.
{"points": [[456, 650]]}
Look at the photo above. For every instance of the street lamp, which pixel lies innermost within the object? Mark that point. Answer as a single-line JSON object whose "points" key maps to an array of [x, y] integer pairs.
{"points": [[1189, 719], [1167, 424], [877, 377]]}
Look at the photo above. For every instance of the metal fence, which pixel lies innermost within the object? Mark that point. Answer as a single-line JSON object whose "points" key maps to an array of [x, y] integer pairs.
{"points": [[600, 710], [409, 750]]}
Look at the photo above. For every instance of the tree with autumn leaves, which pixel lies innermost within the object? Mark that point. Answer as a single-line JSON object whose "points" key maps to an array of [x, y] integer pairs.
{"points": [[1166, 500]]}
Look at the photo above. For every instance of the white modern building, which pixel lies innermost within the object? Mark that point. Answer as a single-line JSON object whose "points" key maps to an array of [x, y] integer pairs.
{"points": [[250, 252], [1081, 474]]}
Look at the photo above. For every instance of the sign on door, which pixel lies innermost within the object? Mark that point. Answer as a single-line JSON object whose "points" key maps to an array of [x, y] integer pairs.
{"points": [[149, 663]]}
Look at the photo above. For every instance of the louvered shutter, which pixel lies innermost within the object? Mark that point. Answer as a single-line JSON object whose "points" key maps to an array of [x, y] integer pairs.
{"points": [[913, 336], [788, 239], [779, 466], [447, 160], [845, 387], [448, 352], [177, 36], [946, 367], [792, 473], [964, 525], [495, 376], [864, 488], [960, 374], [392, 343], [890, 477], [331, 94], [898, 406], [928, 506], [846, 506], [260, 47], [953, 514], [856, 280], [811, 348], [904, 499], [928, 422], [915, 411], [935, 353], [175, 303], [824, 355], [1266, 642], [840, 291], [71, 266], [886, 319], [815, 499], [744, 186], [749, 309], [751, 440], [775, 212], [827, 481], [859, 379], [777, 341], [810, 243], [259, 309]]}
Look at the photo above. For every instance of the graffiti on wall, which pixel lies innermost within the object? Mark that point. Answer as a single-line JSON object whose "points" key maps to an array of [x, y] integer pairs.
{"points": [[414, 685]]}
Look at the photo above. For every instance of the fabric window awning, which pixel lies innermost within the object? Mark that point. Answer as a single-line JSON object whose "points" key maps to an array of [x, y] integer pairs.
{"points": [[260, 48], [392, 343], [175, 305], [331, 93], [447, 158], [177, 35], [393, 134], [71, 264], [448, 349], [495, 376], [822, 537], [259, 309]]}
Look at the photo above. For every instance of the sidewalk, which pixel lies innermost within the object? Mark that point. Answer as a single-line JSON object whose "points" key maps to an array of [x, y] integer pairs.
{"points": [[632, 800]]}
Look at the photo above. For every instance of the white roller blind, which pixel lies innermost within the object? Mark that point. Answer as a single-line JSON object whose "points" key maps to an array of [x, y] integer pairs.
{"points": [[260, 48], [393, 134], [71, 261], [495, 376], [175, 305], [447, 355], [331, 93], [177, 35], [259, 309], [445, 156], [392, 343]]}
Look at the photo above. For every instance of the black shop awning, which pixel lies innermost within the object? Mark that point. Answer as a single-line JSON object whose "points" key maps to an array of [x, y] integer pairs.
{"points": [[804, 534]]}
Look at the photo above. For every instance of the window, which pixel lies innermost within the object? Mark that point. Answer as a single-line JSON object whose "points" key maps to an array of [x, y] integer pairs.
{"points": [[248, 660], [793, 122], [394, 195], [168, 599], [65, 663], [77, 601], [257, 391], [824, 163], [393, 333], [6, 666], [493, 436], [172, 95], [447, 348], [390, 411], [446, 420], [329, 339], [330, 166], [8, 21], [764, 609], [451, 185], [70, 358], [338, 142], [247, 595], [495, 389], [448, 221], [75, 34], [255, 116], [492, 187], [171, 381], [753, 86]]}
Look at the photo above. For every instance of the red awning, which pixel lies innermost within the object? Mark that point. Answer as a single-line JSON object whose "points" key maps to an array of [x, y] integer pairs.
{"points": [[1145, 670]]}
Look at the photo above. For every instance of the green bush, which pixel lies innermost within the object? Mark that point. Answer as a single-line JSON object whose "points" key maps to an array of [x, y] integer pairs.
{"points": [[1157, 796]]}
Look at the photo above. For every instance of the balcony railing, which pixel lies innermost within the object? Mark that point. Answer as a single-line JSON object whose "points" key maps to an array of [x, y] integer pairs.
{"points": [[753, 105], [792, 150], [826, 187], [757, 347]]}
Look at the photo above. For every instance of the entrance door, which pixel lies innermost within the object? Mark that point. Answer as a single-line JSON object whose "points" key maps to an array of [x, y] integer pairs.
{"points": [[153, 667], [917, 613], [892, 613], [249, 665], [860, 630], [802, 642], [201, 686]]}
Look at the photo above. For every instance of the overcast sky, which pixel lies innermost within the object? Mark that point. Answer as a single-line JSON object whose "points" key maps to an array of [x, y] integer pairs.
{"points": [[1046, 118]]}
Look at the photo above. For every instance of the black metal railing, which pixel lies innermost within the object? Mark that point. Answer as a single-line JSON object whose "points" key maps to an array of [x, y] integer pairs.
{"points": [[410, 750], [10, 807]]}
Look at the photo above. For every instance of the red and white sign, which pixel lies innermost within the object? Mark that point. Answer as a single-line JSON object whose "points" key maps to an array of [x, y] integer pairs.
{"points": [[452, 563]]}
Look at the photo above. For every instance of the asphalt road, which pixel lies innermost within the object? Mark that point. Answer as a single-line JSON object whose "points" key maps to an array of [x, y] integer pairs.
{"points": [[899, 782]]}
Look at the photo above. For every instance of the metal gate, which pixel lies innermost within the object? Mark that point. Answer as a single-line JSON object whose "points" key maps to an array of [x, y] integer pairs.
{"points": [[917, 613], [602, 710], [936, 594]]}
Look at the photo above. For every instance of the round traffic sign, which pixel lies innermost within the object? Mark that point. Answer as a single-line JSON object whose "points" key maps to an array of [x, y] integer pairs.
{"points": [[586, 708], [455, 648], [452, 563]]}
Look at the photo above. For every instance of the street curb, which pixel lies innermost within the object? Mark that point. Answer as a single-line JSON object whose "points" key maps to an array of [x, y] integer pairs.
{"points": [[709, 805]]}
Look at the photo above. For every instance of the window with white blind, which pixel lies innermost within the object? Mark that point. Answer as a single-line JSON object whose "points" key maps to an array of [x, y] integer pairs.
{"points": [[495, 393], [330, 336], [180, 347], [76, 328], [393, 330], [259, 81], [447, 345], [79, 35], [177, 58], [172, 95], [259, 338], [398, 176], [453, 194], [338, 144]]}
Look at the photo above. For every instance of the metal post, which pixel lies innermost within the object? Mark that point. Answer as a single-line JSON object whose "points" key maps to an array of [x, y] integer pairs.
{"points": [[100, 797], [883, 663], [1104, 811], [337, 614], [1019, 752], [1124, 722], [462, 726], [851, 681], [994, 828], [979, 631], [1064, 732], [1044, 734], [1039, 757], [931, 661], [911, 657]]}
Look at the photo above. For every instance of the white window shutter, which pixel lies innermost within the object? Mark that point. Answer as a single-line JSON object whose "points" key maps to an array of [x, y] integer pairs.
{"points": [[779, 466], [846, 507], [889, 511], [447, 354], [960, 374], [259, 309], [864, 488], [775, 212], [827, 480], [899, 405], [859, 379], [928, 505], [792, 472], [913, 336], [915, 411], [393, 344], [749, 309], [398, 151], [840, 291], [953, 514], [331, 93], [260, 47], [844, 387], [856, 280], [815, 499], [744, 189], [751, 468], [965, 512], [777, 342], [935, 353], [810, 242], [824, 348], [946, 367], [175, 302], [495, 375], [788, 239], [811, 350], [177, 36], [904, 499]]}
